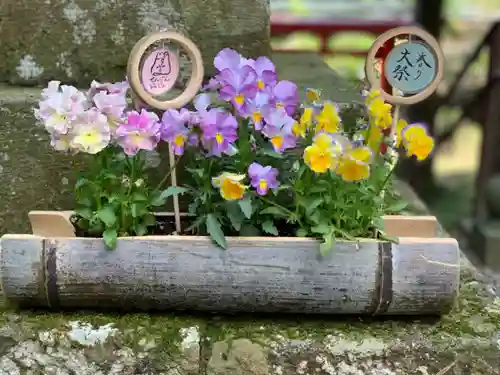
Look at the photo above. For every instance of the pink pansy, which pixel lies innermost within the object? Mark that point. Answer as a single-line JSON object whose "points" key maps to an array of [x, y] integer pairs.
{"points": [[141, 131]]}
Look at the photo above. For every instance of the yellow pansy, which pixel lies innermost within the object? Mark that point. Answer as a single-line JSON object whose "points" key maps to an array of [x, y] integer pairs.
{"points": [[380, 112], [355, 164], [400, 126], [313, 95], [370, 95], [230, 185], [323, 154], [374, 137], [328, 120], [299, 128], [417, 142]]}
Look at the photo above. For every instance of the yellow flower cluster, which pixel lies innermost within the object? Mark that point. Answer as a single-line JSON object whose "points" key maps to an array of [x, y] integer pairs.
{"points": [[413, 137], [331, 152]]}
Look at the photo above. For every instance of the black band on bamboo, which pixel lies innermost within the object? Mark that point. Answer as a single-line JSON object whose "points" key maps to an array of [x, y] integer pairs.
{"points": [[384, 292], [51, 288]]}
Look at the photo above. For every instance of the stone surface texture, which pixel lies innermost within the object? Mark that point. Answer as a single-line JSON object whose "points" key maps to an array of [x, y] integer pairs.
{"points": [[80, 40]]}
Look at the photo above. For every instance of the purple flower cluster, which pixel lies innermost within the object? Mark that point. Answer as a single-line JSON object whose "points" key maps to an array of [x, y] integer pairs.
{"points": [[253, 89]]}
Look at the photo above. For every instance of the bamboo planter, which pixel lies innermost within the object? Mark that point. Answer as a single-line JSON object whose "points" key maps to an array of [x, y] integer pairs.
{"points": [[53, 268]]}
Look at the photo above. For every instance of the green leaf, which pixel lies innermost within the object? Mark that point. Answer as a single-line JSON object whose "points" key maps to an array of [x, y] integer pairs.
{"points": [[235, 215], [138, 209], [139, 197], [110, 237], [275, 211], [326, 245], [215, 231], [246, 207], [322, 228], [196, 171], [161, 199], [140, 230], [84, 212], [107, 216], [319, 189], [397, 206], [301, 232], [248, 230], [82, 182], [149, 220], [269, 227], [311, 204], [271, 153]]}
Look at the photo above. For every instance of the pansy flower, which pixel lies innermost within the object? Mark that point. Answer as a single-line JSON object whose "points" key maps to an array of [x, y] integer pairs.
{"points": [[174, 129], [90, 132], [265, 71], [230, 185], [238, 85], [324, 153], [263, 178], [328, 120], [219, 131], [286, 95], [417, 141], [256, 108], [140, 131], [355, 163], [279, 130]]}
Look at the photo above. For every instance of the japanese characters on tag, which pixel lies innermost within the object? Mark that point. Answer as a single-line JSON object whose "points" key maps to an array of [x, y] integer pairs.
{"points": [[410, 67]]}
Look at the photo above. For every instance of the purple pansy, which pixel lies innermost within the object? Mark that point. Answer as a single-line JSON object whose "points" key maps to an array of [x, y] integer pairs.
{"points": [[286, 95], [263, 178], [279, 130], [255, 109], [219, 130], [141, 131], [175, 129], [118, 88], [238, 85], [265, 71]]}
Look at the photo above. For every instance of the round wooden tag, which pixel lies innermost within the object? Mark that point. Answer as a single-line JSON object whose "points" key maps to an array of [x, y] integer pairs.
{"points": [[160, 70], [415, 68]]}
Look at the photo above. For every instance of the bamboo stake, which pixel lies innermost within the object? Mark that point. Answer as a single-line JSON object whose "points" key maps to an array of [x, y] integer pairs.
{"points": [[173, 182]]}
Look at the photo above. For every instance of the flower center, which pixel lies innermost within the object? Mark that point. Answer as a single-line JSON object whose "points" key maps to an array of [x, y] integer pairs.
{"points": [[263, 184], [239, 99], [219, 138], [279, 105], [179, 140], [90, 137], [277, 141], [260, 84], [257, 116]]}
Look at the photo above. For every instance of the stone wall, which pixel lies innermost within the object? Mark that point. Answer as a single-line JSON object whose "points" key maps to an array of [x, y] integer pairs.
{"points": [[79, 40]]}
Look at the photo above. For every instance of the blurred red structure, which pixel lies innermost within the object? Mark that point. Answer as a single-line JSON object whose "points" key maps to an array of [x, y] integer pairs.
{"points": [[284, 24]]}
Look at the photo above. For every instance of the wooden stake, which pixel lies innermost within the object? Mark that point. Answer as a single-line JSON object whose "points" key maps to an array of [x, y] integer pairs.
{"points": [[173, 180]]}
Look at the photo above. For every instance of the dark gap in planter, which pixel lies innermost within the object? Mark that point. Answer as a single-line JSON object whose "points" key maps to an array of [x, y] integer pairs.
{"points": [[285, 319], [165, 225]]}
